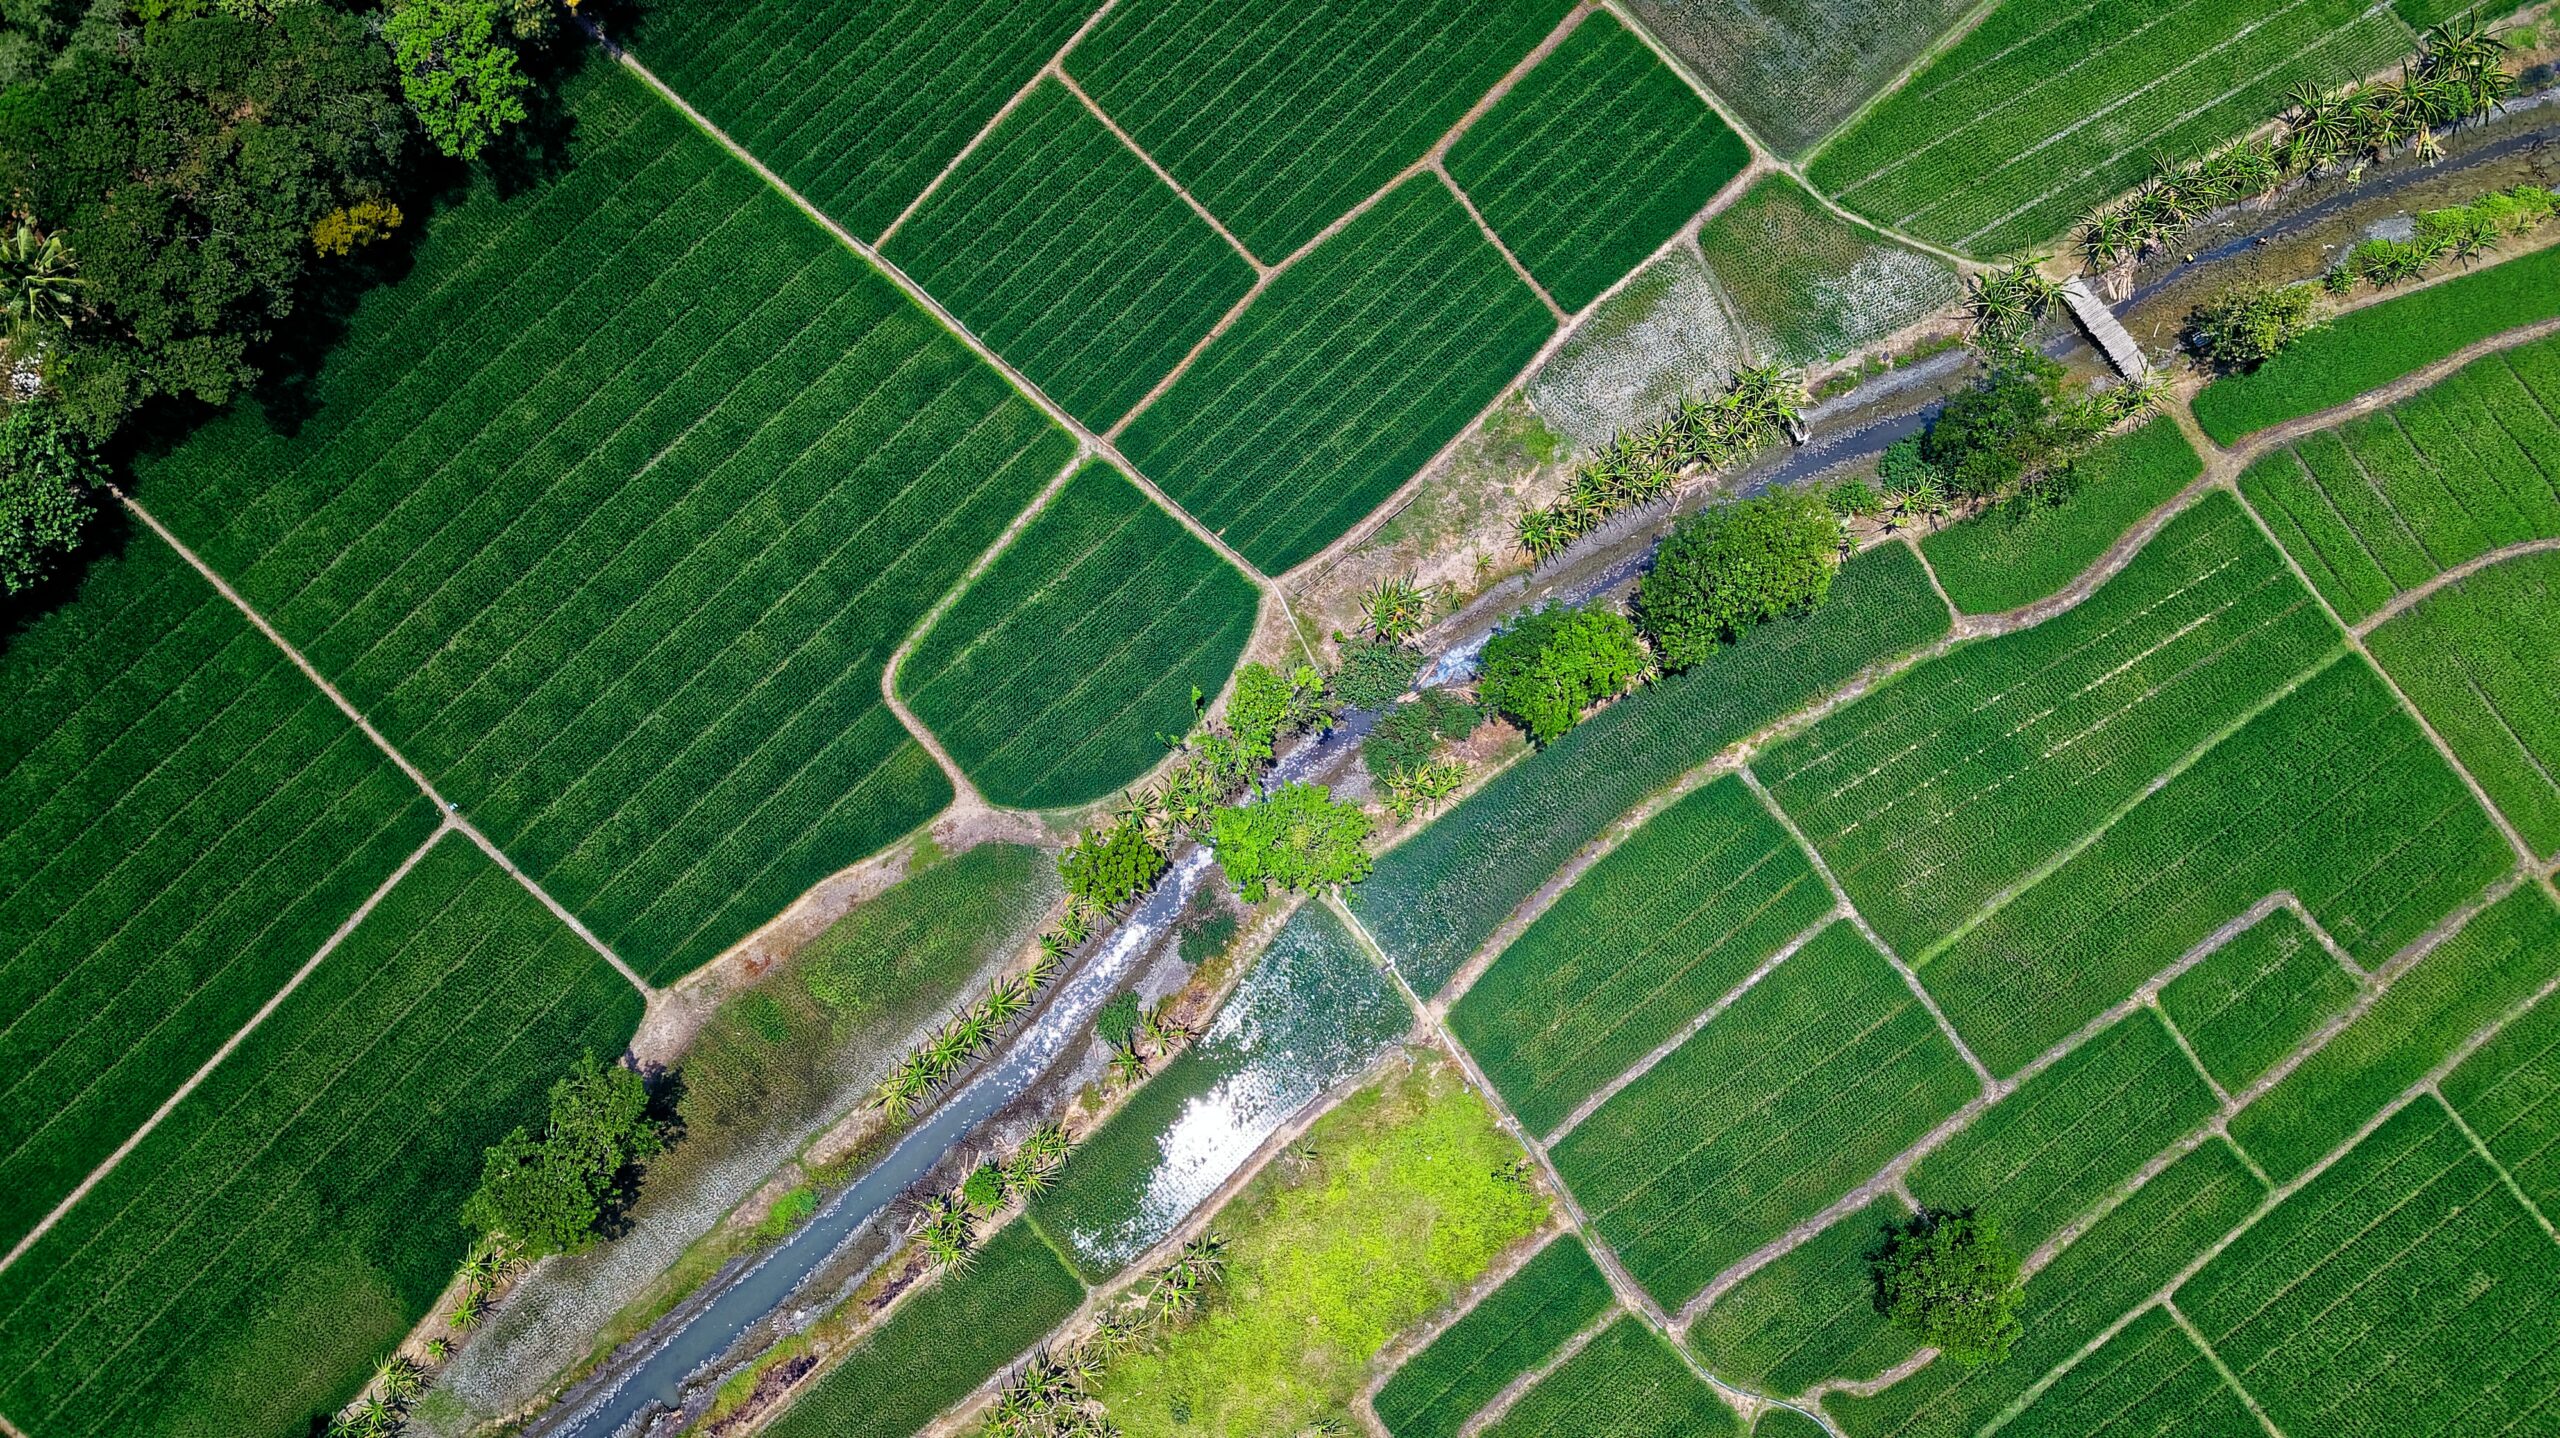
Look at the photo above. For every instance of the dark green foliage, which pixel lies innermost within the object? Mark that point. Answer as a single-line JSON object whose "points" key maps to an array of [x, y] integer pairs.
{"points": [[1553, 1296], [1731, 566], [2028, 547], [1267, 704], [1947, 1277], [983, 1189], [1119, 1017], [1299, 838], [1626, 1383], [1108, 867], [561, 1190], [46, 472], [1590, 162], [1408, 736], [2368, 348], [1207, 935], [1055, 676], [1349, 373], [459, 74], [1374, 673], [1056, 244], [248, 1265], [1987, 436], [1549, 666], [2246, 327], [1901, 468], [186, 170]]}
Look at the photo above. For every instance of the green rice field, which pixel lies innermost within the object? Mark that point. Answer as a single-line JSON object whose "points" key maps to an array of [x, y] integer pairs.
{"points": [[2148, 1379], [2247, 1004], [618, 562], [1660, 928], [1341, 379], [1593, 160], [2509, 1094], [1554, 1296], [2016, 553], [1804, 1087], [1808, 285], [1794, 69], [248, 1265], [1053, 676], [2044, 110], [2475, 658], [1808, 1314], [1055, 244], [1626, 1383], [184, 820]]}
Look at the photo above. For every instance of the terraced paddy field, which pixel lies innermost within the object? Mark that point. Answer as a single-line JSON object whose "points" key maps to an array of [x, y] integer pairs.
{"points": [[1794, 69], [1809, 286], [2474, 657], [1554, 1296], [1626, 1383], [2016, 553]]}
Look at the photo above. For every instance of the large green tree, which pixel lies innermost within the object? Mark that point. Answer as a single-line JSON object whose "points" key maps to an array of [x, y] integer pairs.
{"points": [[457, 69], [1948, 1277], [1551, 665], [559, 1190], [1728, 568]]}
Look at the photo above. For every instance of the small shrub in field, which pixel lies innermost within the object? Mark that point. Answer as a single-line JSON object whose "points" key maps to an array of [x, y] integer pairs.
{"points": [[788, 1212], [2247, 327], [1119, 1017], [1550, 666], [1853, 498], [983, 1189], [1205, 936], [1267, 704], [1728, 568], [1110, 868], [1299, 838], [1948, 1277], [1987, 437], [1902, 470], [1375, 673], [556, 1193]]}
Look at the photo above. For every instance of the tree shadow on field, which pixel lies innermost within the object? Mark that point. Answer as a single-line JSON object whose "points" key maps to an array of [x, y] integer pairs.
{"points": [[110, 530]]}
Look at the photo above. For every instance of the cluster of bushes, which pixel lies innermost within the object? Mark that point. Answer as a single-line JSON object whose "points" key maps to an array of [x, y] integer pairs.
{"points": [[2460, 232], [2247, 327], [2457, 75], [1639, 467], [947, 1224], [2012, 439]]}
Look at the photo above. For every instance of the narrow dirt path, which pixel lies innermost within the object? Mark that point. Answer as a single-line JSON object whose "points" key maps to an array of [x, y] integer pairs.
{"points": [[2409, 598], [1485, 227], [1058, 70]]}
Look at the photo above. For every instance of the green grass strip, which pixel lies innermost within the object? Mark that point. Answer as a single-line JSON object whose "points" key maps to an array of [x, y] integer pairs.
{"points": [[1554, 1296], [2017, 553]]}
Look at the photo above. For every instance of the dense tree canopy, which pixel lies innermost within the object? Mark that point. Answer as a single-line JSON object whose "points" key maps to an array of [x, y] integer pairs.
{"points": [[558, 1191], [1948, 1277], [1109, 868], [46, 469], [2246, 327], [1299, 838], [1551, 665], [1987, 436], [1727, 568], [459, 72]]}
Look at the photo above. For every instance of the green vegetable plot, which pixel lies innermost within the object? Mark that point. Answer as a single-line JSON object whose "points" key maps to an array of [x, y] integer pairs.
{"points": [[1793, 69], [1808, 1314], [1626, 1383], [1054, 676], [2509, 1093], [2148, 1380], [2249, 1003], [2476, 658], [2024, 550], [1555, 1295], [1808, 285]]}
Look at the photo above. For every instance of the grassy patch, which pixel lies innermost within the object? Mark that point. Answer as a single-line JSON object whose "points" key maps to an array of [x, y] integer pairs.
{"points": [[610, 512], [2495, 963], [2370, 347], [244, 1269], [1281, 118], [2250, 1002], [1593, 160], [2043, 110], [1626, 1383], [2509, 1092], [939, 1343], [1400, 1200], [1055, 677], [184, 820], [2017, 553], [1554, 1296], [1641, 944], [1936, 792], [1434, 898], [1815, 1077], [857, 104], [1056, 244], [1341, 379], [2331, 793], [2476, 659], [1809, 1314], [1809, 285], [1666, 336], [2149, 1379], [1793, 69]]}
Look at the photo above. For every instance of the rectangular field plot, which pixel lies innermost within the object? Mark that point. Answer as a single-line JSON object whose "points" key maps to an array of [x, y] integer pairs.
{"points": [[1593, 160], [2477, 659], [2044, 110], [1660, 928], [2118, 1265], [2053, 1148], [184, 820], [247, 1266], [1052, 676], [1555, 1295], [940, 1343], [610, 513], [1439, 895], [1809, 1314], [1055, 244], [1808, 285], [2331, 794], [1626, 1383], [857, 104], [2498, 961], [1341, 379], [1793, 69], [2019, 552], [2148, 1381], [2509, 1093], [1933, 794], [1785, 1101], [2249, 1003], [1280, 118], [2404, 1291]]}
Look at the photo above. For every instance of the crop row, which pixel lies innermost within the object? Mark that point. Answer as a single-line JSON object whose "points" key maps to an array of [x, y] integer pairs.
{"points": [[1056, 244], [1808, 285], [2332, 794], [1641, 944], [1342, 378], [2477, 660], [1281, 118], [1594, 159], [2149, 1378], [1800, 1090], [2403, 1291], [1438, 896], [1796, 68], [2509, 1093], [1808, 1314], [251, 1261], [2250, 1002], [1054, 675], [1933, 794], [1512, 1330], [857, 104], [2042, 111], [1625, 1383], [183, 822], [2025, 550], [620, 574]]}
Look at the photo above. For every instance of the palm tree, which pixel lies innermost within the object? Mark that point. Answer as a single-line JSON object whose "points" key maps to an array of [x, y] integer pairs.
{"points": [[1543, 533], [2317, 126], [400, 1380], [1126, 1066], [1395, 610], [1006, 1000], [39, 283]]}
